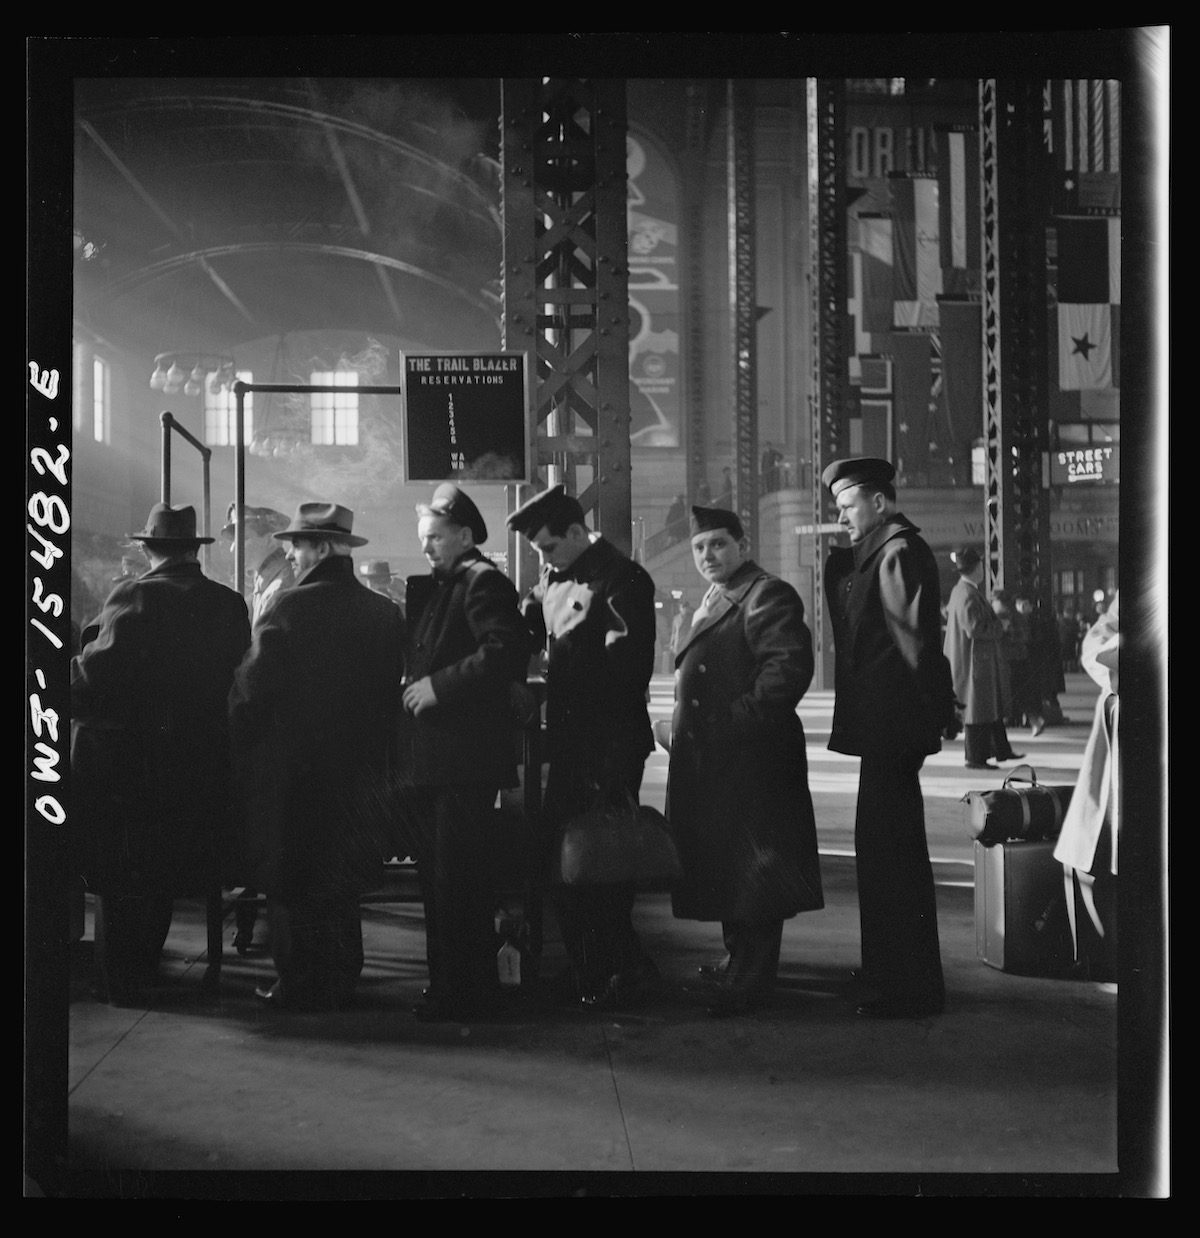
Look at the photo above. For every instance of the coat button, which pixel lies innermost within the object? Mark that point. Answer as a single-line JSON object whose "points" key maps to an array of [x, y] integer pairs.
{"points": [[695, 704], [702, 668]]}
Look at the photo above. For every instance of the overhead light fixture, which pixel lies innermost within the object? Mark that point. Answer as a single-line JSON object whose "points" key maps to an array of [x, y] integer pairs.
{"points": [[189, 372]]}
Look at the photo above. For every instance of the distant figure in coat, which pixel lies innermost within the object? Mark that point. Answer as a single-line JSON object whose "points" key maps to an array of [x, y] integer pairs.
{"points": [[150, 747], [592, 609], [377, 575], [974, 634], [675, 525], [737, 790], [893, 699], [1087, 844], [267, 572], [467, 648], [313, 715]]}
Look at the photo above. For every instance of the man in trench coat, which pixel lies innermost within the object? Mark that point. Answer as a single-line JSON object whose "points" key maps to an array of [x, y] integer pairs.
{"points": [[150, 747], [313, 715], [974, 645], [737, 790], [892, 700]]}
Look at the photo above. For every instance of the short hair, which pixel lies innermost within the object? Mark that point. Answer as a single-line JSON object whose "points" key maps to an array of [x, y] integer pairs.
{"points": [[566, 512], [880, 487]]}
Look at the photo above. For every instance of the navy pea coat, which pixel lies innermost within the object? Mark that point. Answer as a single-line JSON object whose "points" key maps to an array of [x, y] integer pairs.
{"points": [[467, 634], [737, 793], [313, 718], [150, 738], [893, 688]]}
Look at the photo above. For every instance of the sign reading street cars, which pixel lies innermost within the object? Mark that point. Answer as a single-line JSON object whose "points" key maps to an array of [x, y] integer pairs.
{"points": [[1067, 467], [466, 417]]}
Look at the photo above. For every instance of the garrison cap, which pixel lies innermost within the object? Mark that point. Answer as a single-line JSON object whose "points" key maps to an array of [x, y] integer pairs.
{"points": [[869, 470], [457, 506], [966, 559], [705, 519], [539, 511]]}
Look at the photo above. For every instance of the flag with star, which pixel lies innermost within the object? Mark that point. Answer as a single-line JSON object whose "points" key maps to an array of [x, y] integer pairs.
{"points": [[1083, 137], [1089, 303]]}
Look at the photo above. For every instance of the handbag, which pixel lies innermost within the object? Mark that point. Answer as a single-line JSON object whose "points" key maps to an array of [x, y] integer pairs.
{"points": [[618, 841], [1031, 811]]}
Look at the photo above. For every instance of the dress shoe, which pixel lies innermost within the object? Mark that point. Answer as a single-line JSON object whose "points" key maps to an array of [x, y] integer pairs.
{"points": [[899, 1006], [1012, 756], [272, 995], [981, 765], [1039, 725], [714, 969]]}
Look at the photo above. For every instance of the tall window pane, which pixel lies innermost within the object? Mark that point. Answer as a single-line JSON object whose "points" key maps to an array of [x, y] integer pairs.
{"points": [[220, 413], [335, 413], [101, 396]]}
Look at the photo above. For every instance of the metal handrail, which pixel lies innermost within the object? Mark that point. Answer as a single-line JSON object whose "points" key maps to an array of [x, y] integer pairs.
{"points": [[169, 424]]}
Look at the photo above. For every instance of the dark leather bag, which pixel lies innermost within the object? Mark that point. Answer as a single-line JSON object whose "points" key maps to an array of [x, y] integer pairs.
{"points": [[619, 842], [1022, 808]]}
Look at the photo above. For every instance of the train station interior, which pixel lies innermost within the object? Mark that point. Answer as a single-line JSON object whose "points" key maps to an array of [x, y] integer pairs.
{"points": [[702, 267]]}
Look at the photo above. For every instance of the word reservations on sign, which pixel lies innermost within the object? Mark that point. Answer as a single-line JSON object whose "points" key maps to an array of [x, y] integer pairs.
{"points": [[1085, 464], [466, 417]]}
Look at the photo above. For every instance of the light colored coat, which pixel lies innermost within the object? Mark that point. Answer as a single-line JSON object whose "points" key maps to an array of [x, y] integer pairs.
{"points": [[1096, 800], [974, 634]]}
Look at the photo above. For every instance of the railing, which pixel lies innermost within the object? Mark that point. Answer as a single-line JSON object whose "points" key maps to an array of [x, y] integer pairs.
{"points": [[169, 425]]}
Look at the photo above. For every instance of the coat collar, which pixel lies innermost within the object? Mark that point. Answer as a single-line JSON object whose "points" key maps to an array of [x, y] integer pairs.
{"points": [[897, 525], [720, 600], [336, 568]]}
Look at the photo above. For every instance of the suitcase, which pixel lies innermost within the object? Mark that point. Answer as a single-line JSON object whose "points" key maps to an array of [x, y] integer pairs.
{"points": [[1021, 808], [1020, 909]]}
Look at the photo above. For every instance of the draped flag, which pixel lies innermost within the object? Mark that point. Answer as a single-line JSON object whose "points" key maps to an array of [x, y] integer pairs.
{"points": [[962, 368], [875, 246], [959, 210], [917, 269], [1089, 303], [1083, 136]]}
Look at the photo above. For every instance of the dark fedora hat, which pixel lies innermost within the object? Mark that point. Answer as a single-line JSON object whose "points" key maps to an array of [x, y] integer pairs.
{"points": [[375, 569], [554, 504], [258, 520], [170, 524], [329, 520], [858, 471], [705, 519], [457, 506]]}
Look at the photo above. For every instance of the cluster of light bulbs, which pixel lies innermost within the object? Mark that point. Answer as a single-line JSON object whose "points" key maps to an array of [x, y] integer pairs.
{"points": [[188, 372]]}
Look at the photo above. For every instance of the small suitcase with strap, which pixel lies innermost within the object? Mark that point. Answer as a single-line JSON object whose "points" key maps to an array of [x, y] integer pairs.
{"points": [[1022, 808]]}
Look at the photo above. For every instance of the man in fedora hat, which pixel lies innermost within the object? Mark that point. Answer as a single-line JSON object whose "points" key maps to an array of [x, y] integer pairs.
{"points": [[265, 561], [892, 700], [593, 612], [737, 790], [267, 572], [377, 575], [150, 746], [467, 647], [974, 645], [312, 711]]}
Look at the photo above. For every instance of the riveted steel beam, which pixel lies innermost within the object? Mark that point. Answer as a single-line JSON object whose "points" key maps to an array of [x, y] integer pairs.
{"points": [[565, 283]]}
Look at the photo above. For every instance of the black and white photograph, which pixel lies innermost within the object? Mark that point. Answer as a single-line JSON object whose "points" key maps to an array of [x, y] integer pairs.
{"points": [[574, 622]]}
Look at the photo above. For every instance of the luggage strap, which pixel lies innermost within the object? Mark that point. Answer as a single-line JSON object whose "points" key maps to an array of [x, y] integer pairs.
{"points": [[1026, 801]]}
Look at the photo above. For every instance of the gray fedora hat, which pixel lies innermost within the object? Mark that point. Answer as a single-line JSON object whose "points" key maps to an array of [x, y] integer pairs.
{"points": [[170, 524], [329, 520]]}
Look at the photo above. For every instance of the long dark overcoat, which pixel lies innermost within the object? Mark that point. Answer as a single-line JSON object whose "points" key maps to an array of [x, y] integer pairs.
{"points": [[893, 689], [737, 794], [313, 715], [150, 742], [597, 619], [466, 633], [974, 635]]}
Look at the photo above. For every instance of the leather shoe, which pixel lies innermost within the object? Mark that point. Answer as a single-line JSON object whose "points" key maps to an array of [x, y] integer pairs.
{"points": [[981, 765], [899, 1006], [714, 970], [1039, 725], [1012, 756]]}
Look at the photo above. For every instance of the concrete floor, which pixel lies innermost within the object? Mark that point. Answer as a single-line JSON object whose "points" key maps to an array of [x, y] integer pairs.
{"points": [[1013, 1090]]}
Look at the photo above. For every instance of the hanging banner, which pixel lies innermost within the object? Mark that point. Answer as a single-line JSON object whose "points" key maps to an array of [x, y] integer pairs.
{"points": [[466, 417]]}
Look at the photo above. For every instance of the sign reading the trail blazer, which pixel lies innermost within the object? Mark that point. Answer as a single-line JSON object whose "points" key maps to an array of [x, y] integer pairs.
{"points": [[466, 417]]}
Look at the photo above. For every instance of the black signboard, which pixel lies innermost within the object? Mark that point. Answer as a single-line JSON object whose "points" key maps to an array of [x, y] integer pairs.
{"points": [[466, 417], [1085, 464]]}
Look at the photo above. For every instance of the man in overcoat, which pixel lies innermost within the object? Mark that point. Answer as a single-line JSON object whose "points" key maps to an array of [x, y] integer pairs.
{"points": [[593, 612], [892, 700], [313, 714], [150, 746], [974, 645], [467, 647], [268, 571], [737, 791]]}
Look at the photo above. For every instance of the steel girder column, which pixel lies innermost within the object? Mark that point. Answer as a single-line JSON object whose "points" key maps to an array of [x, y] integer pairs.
{"points": [[1015, 409], [697, 135], [565, 283], [827, 346], [743, 312]]}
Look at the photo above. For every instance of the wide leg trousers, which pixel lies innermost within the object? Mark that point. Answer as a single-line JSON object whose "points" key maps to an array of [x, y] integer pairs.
{"points": [[897, 902]]}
